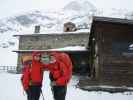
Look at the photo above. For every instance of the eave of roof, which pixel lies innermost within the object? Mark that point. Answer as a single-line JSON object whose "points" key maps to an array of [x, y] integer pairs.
{"points": [[61, 33], [112, 20], [29, 51]]}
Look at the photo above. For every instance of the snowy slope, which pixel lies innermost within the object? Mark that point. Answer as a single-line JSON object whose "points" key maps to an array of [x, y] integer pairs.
{"points": [[11, 89], [49, 20], [82, 6]]}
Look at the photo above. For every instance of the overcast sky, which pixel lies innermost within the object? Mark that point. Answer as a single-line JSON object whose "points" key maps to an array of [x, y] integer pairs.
{"points": [[9, 7]]}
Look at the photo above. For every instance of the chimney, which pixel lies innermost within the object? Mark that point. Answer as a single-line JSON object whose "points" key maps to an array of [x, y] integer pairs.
{"points": [[37, 29]]}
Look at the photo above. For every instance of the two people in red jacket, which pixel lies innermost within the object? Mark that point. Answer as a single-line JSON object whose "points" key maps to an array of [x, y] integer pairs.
{"points": [[60, 68]]}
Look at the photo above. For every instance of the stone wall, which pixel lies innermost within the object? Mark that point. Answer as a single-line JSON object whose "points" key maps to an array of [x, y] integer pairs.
{"points": [[48, 41]]}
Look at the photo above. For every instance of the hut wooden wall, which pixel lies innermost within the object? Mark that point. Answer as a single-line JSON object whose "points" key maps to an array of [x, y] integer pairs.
{"points": [[114, 68]]}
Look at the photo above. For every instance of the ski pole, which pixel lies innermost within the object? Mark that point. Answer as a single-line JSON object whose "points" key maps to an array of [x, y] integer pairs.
{"points": [[42, 95], [23, 92]]}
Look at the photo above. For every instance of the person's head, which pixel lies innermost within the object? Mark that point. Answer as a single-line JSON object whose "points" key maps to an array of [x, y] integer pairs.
{"points": [[54, 53], [47, 57], [36, 56]]}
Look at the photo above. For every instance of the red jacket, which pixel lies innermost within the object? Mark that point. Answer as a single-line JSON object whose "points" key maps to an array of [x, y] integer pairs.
{"points": [[61, 69], [25, 79], [33, 74]]}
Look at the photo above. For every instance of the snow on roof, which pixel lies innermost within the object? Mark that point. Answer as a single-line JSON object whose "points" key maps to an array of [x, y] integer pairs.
{"points": [[71, 48], [64, 49], [28, 32]]}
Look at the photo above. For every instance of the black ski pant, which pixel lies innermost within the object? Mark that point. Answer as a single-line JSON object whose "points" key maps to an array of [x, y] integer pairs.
{"points": [[33, 93], [59, 92]]}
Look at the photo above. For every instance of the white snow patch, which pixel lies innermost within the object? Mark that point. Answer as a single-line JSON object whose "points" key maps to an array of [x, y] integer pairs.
{"points": [[71, 48], [11, 89], [7, 57], [30, 31]]}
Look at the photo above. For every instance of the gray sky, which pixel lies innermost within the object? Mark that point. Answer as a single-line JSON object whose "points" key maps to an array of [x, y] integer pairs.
{"points": [[108, 4], [9, 7]]}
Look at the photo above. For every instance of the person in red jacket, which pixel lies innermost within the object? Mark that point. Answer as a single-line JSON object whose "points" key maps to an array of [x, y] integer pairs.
{"points": [[32, 76], [60, 74]]}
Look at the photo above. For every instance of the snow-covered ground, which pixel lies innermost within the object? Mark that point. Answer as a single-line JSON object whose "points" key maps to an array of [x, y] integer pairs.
{"points": [[7, 57], [11, 89]]}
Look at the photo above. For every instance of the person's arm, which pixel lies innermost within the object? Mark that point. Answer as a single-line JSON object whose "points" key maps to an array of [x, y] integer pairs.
{"points": [[25, 78]]}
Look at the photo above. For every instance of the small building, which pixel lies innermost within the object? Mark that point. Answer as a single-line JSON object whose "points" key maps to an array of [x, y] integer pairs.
{"points": [[69, 27], [111, 53], [44, 42]]}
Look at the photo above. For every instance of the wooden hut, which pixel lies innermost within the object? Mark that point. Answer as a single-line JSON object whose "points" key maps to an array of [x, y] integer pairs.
{"points": [[111, 52]]}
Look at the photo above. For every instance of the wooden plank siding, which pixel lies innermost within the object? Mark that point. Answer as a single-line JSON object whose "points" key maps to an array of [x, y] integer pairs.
{"points": [[114, 67]]}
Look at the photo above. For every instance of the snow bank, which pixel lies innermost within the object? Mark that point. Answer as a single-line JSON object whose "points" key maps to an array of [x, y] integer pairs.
{"points": [[11, 89]]}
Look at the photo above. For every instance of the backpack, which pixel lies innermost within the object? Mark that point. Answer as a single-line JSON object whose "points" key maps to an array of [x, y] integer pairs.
{"points": [[64, 57]]}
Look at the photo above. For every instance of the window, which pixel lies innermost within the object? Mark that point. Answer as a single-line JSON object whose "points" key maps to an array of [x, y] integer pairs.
{"points": [[122, 49]]}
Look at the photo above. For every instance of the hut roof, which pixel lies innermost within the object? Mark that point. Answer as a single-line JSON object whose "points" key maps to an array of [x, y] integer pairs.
{"points": [[112, 20], [85, 31]]}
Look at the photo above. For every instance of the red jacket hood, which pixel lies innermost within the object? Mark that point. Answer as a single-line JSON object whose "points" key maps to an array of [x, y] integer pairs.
{"points": [[35, 53]]}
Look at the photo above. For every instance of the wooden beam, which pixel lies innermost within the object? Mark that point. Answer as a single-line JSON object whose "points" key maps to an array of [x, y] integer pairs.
{"points": [[29, 51]]}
